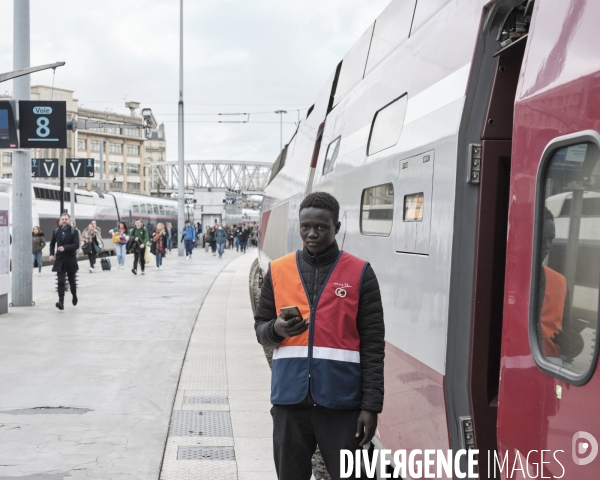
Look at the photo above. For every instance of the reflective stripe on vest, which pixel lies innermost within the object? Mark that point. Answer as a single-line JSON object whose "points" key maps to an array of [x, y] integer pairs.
{"points": [[325, 358]]}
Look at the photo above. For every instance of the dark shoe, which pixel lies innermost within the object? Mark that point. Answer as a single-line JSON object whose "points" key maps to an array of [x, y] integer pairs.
{"points": [[134, 271], [60, 305], [75, 299]]}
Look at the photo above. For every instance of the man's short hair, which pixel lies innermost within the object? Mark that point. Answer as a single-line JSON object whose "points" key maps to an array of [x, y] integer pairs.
{"points": [[324, 201], [65, 214], [187, 221]]}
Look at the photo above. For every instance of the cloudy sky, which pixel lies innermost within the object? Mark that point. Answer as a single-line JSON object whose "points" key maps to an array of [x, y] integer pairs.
{"points": [[240, 56]]}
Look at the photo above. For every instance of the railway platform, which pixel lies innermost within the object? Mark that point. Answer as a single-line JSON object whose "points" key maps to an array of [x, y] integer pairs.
{"points": [[154, 376]]}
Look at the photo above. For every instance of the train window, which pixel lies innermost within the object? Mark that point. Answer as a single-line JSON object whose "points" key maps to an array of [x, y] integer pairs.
{"points": [[161, 209], [136, 208], [387, 126], [155, 207], [331, 156], [567, 262], [413, 207], [377, 210]]}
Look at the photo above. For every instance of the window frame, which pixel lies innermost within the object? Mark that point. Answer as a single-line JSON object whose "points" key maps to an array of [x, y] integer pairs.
{"points": [[375, 119], [337, 139], [360, 212], [586, 136]]}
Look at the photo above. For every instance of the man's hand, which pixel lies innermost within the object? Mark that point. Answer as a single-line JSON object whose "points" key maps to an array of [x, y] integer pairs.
{"points": [[61, 249], [365, 426], [290, 327], [137, 239], [51, 258], [143, 245]]}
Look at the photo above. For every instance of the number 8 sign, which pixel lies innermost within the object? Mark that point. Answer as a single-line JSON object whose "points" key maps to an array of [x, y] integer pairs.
{"points": [[43, 124]]}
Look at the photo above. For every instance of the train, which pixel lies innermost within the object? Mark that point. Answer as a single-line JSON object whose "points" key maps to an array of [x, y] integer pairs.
{"points": [[107, 208], [461, 139]]}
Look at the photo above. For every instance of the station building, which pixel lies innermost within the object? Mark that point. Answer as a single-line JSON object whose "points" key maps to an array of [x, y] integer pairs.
{"points": [[127, 152]]}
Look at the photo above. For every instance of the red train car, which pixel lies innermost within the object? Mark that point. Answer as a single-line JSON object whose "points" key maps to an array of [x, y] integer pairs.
{"points": [[549, 387]]}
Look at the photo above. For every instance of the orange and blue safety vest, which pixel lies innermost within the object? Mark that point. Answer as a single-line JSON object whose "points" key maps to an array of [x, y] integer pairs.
{"points": [[324, 360]]}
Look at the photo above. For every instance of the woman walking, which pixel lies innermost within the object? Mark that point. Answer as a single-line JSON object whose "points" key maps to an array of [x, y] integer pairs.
{"points": [[120, 238], [213, 240], [91, 244], [38, 242], [159, 244], [220, 239]]}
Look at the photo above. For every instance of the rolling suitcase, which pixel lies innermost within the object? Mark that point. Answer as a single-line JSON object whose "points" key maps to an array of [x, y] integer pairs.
{"points": [[105, 262]]}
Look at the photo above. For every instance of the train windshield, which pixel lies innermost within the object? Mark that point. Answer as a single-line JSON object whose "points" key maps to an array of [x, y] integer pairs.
{"points": [[569, 259]]}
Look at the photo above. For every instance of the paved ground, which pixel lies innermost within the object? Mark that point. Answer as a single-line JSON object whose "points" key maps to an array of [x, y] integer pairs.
{"points": [[224, 364], [88, 392]]}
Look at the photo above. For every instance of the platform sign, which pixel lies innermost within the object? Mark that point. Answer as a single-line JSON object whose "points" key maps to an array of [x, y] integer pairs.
{"points": [[44, 168], [80, 167], [190, 201], [8, 126], [43, 124]]}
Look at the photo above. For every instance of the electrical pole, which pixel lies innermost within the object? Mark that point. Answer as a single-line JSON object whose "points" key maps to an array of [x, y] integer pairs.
{"points": [[21, 288], [180, 151], [281, 112]]}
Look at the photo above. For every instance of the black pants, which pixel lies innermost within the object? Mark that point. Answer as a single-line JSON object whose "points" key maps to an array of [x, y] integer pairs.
{"points": [[139, 254], [61, 282], [92, 258], [298, 429]]}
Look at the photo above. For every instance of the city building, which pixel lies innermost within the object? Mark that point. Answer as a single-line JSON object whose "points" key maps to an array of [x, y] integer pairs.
{"points": [[127, 152]]}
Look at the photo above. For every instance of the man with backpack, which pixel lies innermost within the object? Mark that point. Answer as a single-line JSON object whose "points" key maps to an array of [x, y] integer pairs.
{"points": [[188, 236], [66, 237]]}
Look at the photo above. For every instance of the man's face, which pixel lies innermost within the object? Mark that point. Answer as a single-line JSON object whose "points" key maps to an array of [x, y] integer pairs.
{"points": [[138, 224], [94, 223], [64, 221], [317, 229]]}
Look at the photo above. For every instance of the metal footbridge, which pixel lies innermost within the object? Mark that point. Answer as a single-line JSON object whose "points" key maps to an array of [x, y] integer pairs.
{"points": [[246, 177]]}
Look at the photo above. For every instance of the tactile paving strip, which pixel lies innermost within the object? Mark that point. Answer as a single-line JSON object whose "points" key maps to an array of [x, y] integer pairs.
{"points": [[205, 453], [207, 399], [185, 423]]}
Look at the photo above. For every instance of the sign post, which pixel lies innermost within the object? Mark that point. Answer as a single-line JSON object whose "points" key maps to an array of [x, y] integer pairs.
{"points": [[75, 168]]}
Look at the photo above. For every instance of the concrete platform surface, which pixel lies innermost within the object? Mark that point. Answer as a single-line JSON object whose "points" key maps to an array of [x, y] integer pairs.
{"points": [[88, 392], [224, 361]]}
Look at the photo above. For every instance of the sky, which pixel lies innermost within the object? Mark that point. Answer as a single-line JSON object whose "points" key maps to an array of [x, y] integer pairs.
{"points": [[240, 56]]}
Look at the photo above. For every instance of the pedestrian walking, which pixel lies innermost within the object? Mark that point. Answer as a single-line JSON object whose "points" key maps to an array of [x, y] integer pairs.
{"points": [[237, 231], [336, 406], [65, 243], [170, 236], [159, 240], [119, 239], [91, 244], [198, 228], [188, 236], [220, 239], [138, 241], [38, 242], [230, 237], [243, 239], [213, 240]]}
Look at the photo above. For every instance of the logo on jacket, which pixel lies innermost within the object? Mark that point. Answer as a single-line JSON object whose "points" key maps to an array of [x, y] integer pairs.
{"points": [[340, 290]]}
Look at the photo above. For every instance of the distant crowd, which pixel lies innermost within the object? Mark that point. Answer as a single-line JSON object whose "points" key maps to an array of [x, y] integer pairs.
{"points": [[134, 240], [67, 242]]}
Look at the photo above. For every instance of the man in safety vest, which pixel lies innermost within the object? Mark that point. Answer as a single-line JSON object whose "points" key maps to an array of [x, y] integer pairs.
{"points": [[327, 378]]}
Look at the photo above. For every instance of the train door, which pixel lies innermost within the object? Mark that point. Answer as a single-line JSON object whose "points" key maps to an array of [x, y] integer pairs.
{"points": [[548, 409], [493, 157], [481, 225]]}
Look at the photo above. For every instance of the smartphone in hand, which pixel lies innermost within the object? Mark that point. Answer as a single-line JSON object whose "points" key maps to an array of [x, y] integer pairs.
{"points": [[290, 312]]}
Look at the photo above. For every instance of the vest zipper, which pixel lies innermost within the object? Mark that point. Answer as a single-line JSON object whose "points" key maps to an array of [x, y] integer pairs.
{"points": [[311, 328]]}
